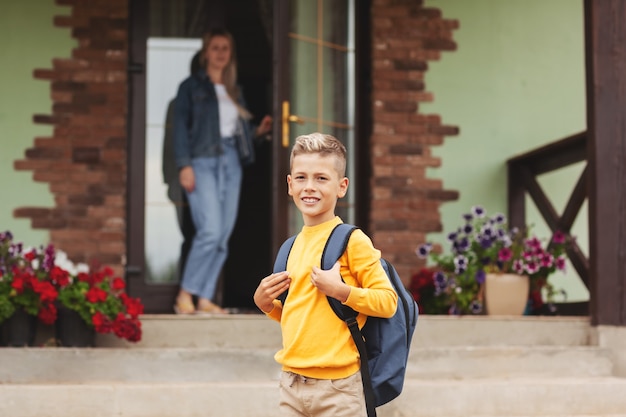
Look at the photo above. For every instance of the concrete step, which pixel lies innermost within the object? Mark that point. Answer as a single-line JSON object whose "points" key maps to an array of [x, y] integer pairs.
{"points": [[487, 397], [186, 365], [510, 397], [465, 362], [502, 330], [141, 365], [246, 330]]}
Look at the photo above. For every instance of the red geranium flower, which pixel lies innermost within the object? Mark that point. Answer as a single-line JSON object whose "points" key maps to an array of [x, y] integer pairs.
{"points": [[118, 284], [48, 313], [60, 276]]}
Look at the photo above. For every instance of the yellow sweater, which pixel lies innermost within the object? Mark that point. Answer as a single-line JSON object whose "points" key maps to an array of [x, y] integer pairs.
{"points": [[316, 343]]}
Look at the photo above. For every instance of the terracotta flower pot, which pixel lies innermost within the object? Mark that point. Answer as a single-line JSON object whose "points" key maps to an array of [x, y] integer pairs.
{"points": [[506, 294]]}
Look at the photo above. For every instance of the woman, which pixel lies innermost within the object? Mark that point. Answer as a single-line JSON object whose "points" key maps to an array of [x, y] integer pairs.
{"points": [[210, 120]]}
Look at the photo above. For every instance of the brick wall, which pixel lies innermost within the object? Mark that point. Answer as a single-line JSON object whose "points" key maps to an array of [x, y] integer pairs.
{"points": [[405, 202], [84, 161]]}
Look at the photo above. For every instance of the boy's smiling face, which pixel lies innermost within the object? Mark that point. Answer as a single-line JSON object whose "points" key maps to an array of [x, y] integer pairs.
{"points": [[315, 185]]}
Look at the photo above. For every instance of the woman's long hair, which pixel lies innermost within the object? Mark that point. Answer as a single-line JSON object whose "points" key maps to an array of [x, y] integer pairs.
{"points": [[229, 74]]}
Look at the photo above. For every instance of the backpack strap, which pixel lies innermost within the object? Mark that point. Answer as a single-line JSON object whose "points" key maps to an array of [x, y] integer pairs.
{"points": [[280, 264], [336, 245]]}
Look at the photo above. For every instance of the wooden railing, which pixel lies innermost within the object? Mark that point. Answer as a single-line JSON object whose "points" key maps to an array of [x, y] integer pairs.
{"points": [[522, 178]]}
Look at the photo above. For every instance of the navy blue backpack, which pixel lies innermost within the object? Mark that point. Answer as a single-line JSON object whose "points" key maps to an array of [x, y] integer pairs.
{"points": [[383, 344]]}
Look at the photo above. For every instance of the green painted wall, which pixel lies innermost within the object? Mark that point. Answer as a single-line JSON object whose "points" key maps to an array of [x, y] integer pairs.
{"points": [[28, 41], [516, 82]]}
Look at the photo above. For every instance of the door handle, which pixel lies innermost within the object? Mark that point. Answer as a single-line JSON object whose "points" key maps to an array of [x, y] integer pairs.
{"points": [[286, 119]]}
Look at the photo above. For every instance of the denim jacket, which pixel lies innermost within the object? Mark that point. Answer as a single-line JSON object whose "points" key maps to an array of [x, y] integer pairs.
{"points": [[197, 122]]}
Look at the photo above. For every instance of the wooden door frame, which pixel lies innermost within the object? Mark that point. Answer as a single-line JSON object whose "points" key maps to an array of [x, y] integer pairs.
{"points": [[157, 298], [363, 120]]}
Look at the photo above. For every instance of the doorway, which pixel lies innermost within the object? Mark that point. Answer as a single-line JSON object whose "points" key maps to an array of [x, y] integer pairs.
{"points": [[301, 52]]}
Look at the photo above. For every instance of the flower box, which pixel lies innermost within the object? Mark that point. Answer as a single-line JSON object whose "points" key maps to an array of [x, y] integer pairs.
{"points": [[40, 281]]}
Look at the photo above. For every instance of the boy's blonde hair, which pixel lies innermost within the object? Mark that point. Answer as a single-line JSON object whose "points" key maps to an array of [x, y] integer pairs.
{"points": [[323, 144]]}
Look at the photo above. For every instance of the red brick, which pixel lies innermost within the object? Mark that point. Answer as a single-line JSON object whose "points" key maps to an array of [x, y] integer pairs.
{"points": [[49, 176], [114, 224], [48, 223], [61, 97], [76, 245], [392, 74], [62, 64], [44, 74], [44, 153], [416, 85], [409, 64], [382, 23], [31, 212], [112, 247], [66, 188], [49, 142], [31, 165], [115, 201], [392, 11], [69, 21], [109, 236], [86, 177], [85, 224], [440, 44], [67, 165], [68, 109], [86, 155], [68, 86], [400, 106], [71, 235], [444, 130], [410, 44], [395, 95], [45, 119], [104, 212]]}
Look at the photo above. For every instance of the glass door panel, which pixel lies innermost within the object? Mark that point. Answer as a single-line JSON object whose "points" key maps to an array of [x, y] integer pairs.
{"points": [[304, 79], [321, 67], [168, 63], [337, 21]]}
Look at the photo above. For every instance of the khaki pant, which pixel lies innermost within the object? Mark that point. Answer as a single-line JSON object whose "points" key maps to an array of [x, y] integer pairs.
{"points": [[301, 396]]}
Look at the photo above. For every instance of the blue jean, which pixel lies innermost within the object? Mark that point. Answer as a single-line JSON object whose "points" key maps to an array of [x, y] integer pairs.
{"points": [[214, 205]]}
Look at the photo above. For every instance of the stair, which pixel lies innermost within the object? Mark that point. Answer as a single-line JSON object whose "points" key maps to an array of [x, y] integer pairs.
{"points": [[223, 366]]}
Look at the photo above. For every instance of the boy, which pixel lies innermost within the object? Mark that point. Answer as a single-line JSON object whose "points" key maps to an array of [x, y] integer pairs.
{"points": [[320, 363]]}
